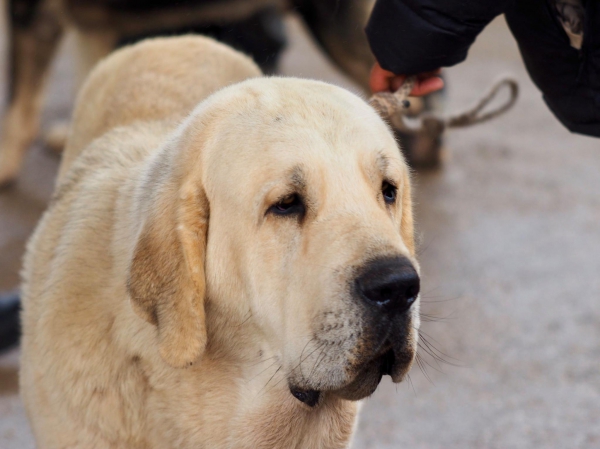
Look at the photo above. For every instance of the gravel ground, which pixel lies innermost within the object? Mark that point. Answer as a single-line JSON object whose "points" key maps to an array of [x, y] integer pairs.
{"points": [[510, 244]]}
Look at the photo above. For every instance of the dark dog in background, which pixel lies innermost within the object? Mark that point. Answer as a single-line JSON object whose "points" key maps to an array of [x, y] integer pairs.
{"points": [[255, 27]]}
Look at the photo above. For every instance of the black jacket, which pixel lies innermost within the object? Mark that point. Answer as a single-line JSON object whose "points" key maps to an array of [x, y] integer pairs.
{"points": [[415, 36]]}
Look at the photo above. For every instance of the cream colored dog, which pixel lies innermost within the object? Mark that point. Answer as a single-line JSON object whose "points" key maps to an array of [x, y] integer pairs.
{"points": [[216, 270]]}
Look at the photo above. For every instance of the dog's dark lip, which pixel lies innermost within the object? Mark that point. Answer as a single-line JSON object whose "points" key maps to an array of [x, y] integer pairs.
{"points": [[387, 362], [382, 353], [308, 397]]}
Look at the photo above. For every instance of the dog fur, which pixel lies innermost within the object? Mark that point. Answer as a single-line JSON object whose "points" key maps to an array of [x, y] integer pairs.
{"points": [[164, 304]]}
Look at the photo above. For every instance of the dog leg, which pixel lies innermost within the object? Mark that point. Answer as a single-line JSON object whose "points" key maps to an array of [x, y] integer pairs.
{"points": [[35, 32]]}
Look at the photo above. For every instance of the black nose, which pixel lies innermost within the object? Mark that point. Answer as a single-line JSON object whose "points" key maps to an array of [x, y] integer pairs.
{"points": [[392, 284]]}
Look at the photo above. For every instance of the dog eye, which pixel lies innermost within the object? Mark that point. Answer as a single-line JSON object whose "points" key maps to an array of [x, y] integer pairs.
{"points": [[291, 204], [389, 192]]}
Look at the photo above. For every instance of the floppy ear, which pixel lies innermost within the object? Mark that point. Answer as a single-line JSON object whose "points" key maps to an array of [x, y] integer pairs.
{"points": [[407, 229], [166, 275]]}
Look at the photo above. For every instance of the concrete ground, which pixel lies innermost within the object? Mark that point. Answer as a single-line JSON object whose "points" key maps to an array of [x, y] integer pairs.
{"points": [[510, 255]]}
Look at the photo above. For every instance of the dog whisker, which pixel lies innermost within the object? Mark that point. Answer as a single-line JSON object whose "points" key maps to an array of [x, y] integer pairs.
{"points": [[262, 361], [429, 318], [277, 383], [410, 382], [321, 346], [422, 250], [432, 299], [271, 378], [419, 361], [266, 369], [321, 357], [435, 352], [245, 319], [435, 367]]}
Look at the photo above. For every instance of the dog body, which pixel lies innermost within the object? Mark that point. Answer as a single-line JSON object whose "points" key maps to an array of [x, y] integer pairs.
{"points": [[215, 269], [36, 28]]}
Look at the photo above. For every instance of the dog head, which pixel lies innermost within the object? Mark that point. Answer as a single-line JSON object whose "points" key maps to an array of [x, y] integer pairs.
{"points": [[289, 200]]}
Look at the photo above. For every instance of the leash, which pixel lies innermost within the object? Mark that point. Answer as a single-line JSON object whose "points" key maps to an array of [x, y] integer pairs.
{"points": [[394, 107]]}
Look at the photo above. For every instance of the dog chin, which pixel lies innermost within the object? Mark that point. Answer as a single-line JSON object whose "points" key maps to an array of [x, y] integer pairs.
{"points": [[367, 380]]}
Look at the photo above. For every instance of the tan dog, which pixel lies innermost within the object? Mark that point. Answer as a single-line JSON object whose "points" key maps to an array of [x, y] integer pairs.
{"points": [[231, 270]]}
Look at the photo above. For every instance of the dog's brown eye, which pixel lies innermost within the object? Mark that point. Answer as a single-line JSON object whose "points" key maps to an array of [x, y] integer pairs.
{"points": [[389, 192], [289, 205]]}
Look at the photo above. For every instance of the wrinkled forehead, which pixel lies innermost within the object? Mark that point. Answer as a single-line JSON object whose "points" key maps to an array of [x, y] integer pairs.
{"points": [[279, 127]]}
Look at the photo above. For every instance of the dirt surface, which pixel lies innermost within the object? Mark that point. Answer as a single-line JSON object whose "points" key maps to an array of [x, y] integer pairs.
{"points": [[510, 256]]}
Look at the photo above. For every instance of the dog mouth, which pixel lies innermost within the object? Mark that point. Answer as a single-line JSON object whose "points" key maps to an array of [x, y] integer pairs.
{"points": [[368, 378], [389, 362]]}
